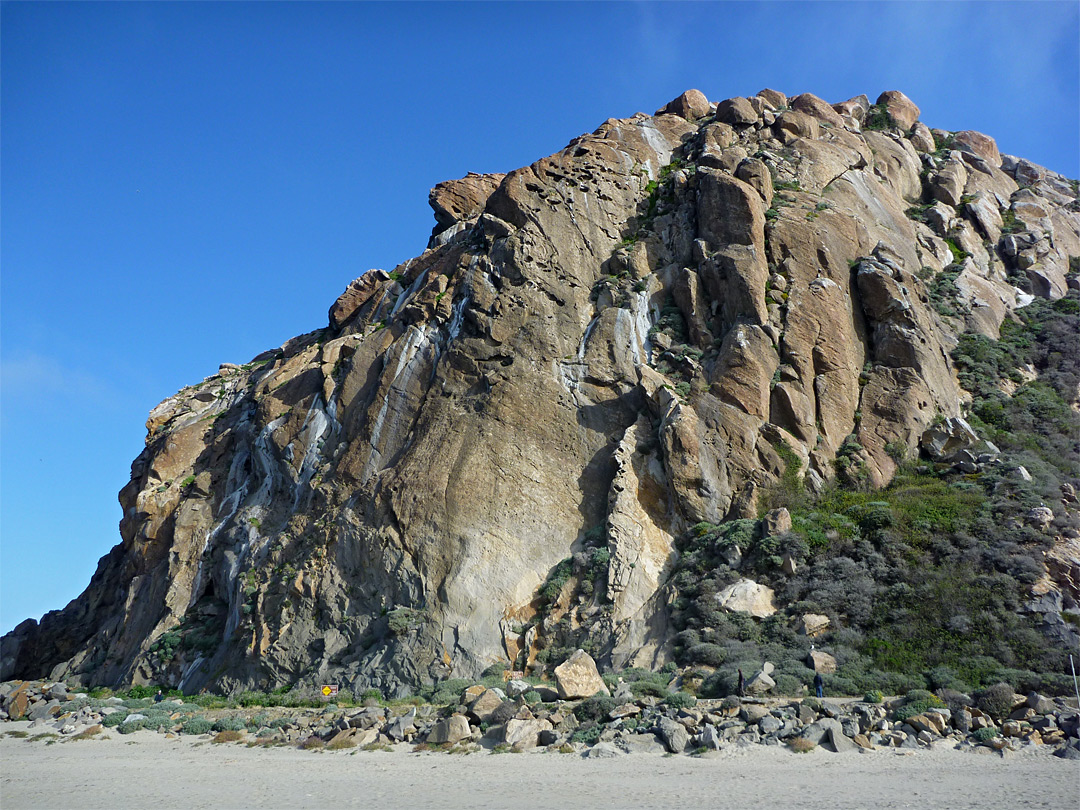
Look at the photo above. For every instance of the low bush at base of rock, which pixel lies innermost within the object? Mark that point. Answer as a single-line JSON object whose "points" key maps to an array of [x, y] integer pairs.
{"points": [[230, 724], [801, 745], [196, 725]]}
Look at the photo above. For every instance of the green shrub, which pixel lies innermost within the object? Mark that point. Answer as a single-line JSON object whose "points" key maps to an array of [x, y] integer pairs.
{"points": [[997, 701], [531, 697], [984, 734], [247, 699], [711, 655], [922, 695], [878, 118], [158, 721], [231, 723], [114, 719], [129, 726], [787, 684], [197, 725], [873, 696], [588, 734], [595, 707], [680, 700], [448, 692], [648, 688], [909, 710], [140, 691]]}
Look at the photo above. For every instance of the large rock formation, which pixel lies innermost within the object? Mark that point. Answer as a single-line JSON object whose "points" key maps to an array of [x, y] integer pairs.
{"points": [[596, 352]]}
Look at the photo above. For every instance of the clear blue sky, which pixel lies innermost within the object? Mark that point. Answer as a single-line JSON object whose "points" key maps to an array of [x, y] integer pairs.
{"points": [[187, 184]]}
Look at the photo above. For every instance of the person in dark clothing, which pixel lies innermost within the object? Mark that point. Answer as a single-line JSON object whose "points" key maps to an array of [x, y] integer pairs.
{"points": [[742, 684], [819, 685]]}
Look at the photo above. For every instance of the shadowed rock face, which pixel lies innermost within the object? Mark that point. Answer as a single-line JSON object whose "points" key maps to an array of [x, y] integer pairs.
{"points": [[595, 353]]}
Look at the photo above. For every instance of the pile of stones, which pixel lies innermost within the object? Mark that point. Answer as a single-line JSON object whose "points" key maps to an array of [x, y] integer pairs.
{"points": [[527, 717]]}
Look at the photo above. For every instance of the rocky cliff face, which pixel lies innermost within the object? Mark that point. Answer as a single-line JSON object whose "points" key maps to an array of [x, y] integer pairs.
{"points": [[501, 439]]}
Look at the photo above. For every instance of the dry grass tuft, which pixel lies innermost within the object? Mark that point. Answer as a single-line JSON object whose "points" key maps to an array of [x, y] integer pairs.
{"points": [[228, 736], [801, 745], [342, 744]]}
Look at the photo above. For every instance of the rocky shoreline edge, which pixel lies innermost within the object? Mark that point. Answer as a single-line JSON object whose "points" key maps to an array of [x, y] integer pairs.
{"points": [[529, 717]]}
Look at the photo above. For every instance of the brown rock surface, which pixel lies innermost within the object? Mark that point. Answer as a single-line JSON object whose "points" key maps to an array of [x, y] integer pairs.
{"points": [[902, 109], [691, 105], [736, 112], [577, 677], [982, 145], [817, 108]]}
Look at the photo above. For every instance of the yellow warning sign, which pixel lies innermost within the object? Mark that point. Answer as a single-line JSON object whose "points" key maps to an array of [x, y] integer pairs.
{"points": [[329, 690]]}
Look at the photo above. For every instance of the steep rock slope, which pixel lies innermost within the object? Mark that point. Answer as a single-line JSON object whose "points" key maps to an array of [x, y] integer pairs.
{"points": [[500, 440]]}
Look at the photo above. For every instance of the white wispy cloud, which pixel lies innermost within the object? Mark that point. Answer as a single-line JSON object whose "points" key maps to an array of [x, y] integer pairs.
{"points": [[28, 376]]}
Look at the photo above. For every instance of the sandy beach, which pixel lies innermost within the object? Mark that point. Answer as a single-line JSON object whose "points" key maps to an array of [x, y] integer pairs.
{"points": [[146, 770]]}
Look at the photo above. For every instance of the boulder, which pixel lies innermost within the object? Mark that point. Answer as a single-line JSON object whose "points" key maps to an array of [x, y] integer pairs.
{"points": [[1040, 703], [840, 743], [855, 108], [984, 210], [450, 730], [954, 440], [776, 522], [820, 730], [577, 677], [524, 734], [709, 738], [793, 124], [921, 138], [813, 624], [900, 107], [752, 712], [641, 744], [691, 105], [976, 143], [817, 108], [760, 684], [736, 112], [403, 727], [773, 98], [483, 706], [821, 662], [755, 173], [1041, 517], [604, 750], [516, 688], [948, 184], [747, 596], [770, 724], [673, 734]]}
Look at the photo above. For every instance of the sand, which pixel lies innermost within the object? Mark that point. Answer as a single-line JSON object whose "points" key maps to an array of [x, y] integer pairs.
{"points": [[146, 770]]}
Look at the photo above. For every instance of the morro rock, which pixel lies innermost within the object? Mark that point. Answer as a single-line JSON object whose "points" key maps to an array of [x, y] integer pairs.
{"points": [[486, 456]]}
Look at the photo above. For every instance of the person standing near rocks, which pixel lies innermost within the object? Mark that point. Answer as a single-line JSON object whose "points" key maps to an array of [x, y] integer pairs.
{"points": [[819, 685], [742, 684]]}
